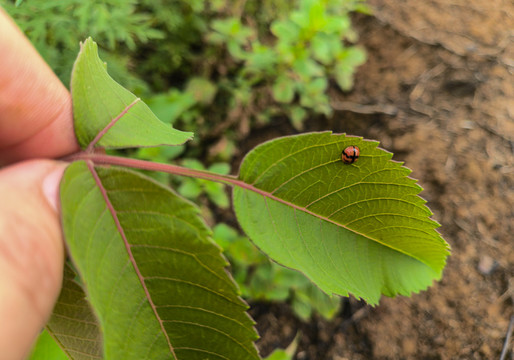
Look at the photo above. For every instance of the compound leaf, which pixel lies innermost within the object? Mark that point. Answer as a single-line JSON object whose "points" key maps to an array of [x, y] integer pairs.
{"points": [[154, 278], [99, 102], [356, 228]]}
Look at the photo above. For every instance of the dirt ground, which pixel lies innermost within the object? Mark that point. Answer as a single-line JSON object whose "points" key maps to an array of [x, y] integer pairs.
{"points": [[438, 91]]}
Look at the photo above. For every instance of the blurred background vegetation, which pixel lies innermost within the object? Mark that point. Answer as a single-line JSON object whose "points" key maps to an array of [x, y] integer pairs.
{"points": [[218, 68]]}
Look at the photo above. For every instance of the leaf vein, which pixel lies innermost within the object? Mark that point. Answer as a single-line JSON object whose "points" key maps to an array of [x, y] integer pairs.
{"points": [[307, 148], [375, 199], [193, 255], [200, 286], [203, 351], [206, 311], [75, 319], [355, 184], [234, 340]]}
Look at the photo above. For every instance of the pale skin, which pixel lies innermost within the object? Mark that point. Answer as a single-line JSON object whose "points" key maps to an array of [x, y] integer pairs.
{"points": [[35, 128]]}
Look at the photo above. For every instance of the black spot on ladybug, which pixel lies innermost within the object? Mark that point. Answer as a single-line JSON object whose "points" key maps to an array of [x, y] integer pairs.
{"points": [[350, 154]]}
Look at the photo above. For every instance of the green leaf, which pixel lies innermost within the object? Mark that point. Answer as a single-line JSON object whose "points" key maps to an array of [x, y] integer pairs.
{"points": [[220, 168], [73, 323], [297, 115], [352, 56], [287, 31], [216, 193], [202, 90], [321, 48], [170, 106], [193, 164], [310, 298], [159, 154], [337, 25], [224, 235], [236, 50], [344, 69], [302, 307], [301, 18], [285, 354], [154, 277], [233, 28], [99, 102], [356, 228], [263, 284], [279, 354], [262, 59], [190, 188], [325, 47], [316, 86], [237, 247], [283, 89], [47, 348], [307, 68], [313, 94]]}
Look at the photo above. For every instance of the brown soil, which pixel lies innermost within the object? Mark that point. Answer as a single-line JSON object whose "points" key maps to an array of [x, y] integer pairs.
{"points": [[438, 91]]}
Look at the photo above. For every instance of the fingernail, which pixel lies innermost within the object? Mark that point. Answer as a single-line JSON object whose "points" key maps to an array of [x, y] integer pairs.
{"points": [[51, 186]]}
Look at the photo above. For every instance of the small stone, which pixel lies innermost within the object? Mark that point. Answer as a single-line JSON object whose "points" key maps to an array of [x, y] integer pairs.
{"points": [[486, 265]]}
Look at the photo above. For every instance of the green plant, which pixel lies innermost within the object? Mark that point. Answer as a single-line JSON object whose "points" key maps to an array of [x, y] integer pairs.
{"points": [[261, 279], [155, 281], [280, 65], [285, 354], [308, 50], [55, 27], [192, 188]]}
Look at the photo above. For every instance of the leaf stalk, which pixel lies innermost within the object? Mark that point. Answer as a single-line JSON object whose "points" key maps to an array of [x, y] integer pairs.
{"points": [[102, 159]]}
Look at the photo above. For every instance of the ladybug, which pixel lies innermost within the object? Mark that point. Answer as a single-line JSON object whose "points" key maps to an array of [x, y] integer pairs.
{"points": [[350, 154]]}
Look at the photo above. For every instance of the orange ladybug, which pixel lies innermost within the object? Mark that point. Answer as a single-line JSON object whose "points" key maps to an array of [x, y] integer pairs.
{"points": [[350, 154]]}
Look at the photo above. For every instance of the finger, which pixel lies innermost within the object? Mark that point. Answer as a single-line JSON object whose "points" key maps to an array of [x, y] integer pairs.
{"points": [[31, 252], [35, 108]]}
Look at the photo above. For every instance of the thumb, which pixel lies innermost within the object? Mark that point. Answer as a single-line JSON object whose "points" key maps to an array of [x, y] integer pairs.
{"points": [[31, 252]]}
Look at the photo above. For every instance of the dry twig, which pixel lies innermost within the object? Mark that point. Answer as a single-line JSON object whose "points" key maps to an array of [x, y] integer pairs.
{"points": [[506, 344]]}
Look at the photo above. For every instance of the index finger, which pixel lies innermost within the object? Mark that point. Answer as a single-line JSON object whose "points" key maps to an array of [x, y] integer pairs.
{"points": [[36, 119]]}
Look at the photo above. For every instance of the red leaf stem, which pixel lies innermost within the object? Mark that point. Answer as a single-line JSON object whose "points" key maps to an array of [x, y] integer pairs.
{"points": [[110, 125]]}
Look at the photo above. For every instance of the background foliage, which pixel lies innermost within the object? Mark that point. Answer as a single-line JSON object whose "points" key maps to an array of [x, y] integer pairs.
{"points": [[234, 60]]}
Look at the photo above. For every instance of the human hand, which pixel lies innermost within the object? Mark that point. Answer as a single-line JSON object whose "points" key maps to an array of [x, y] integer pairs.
{"points": [[35, 123]]}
